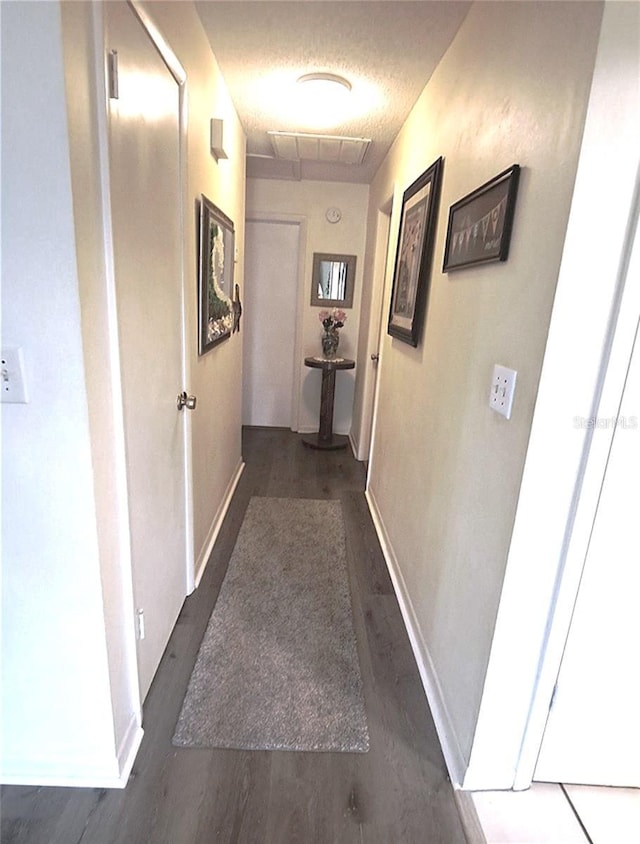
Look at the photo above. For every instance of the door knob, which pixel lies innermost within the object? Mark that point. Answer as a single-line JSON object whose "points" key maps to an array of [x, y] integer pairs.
{"points": [[375, 357], [186, 401]]}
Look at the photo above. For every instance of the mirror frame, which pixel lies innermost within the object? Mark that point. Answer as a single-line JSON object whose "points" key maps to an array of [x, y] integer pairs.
{"points": [[350, 261]]}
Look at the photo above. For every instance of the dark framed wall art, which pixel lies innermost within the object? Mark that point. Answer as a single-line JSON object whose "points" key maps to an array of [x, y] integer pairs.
{"points": [[414, 255], [215, 283], [479, 230]]}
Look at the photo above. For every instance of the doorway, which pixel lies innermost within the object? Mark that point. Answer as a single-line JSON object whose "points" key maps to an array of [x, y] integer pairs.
{"points": [[592, 734], [270, 317], [371, 352]]}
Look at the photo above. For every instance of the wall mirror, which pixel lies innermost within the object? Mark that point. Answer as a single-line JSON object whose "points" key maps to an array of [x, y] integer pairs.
{"points": [[333, 280]]}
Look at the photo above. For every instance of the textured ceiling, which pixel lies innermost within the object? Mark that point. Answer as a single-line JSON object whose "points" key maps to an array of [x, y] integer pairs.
{"points": [[387, 50]]}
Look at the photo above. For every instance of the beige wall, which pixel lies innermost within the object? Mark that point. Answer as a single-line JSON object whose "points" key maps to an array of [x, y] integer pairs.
{"points": [[215, 378], [309, 201], [446, 469], [545, 566]]}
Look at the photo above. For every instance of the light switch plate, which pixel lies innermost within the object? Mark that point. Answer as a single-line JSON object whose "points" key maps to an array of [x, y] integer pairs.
{"points": [[503, 387], [13, 388]]}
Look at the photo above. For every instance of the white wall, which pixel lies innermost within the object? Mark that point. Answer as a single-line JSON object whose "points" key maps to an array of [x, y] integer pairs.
{"points": [[71, 713], [308, 201], [215, 378], [57, 720], [102, 367], [446, 470]]}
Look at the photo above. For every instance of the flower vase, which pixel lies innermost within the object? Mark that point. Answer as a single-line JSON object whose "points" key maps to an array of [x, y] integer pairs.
{"points": [[330, 340]]}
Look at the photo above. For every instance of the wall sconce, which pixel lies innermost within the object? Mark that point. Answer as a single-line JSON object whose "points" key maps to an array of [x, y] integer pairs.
{"points": [[217, 148]]}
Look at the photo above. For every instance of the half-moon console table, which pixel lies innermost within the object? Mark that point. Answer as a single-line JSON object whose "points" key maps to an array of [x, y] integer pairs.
{"points": [[325, 438]]}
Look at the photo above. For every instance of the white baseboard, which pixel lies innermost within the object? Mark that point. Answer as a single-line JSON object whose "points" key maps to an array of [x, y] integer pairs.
{"points": [[469, 817], [77, 772], [361, 454], [313, 429], [128, 750], [205, 553], [454, 758]]}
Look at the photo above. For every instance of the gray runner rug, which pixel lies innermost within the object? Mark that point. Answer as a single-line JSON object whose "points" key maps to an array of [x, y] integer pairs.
{"points": [[278, 666]]}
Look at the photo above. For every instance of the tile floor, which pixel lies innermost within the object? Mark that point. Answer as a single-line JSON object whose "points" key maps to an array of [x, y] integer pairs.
{"points": [[549, 813], [607, 814]]}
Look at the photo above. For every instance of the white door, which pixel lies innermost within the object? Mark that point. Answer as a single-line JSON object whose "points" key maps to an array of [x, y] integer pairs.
{"points": [[377, 327], [269, 321], [145, 206], [593, 731]]}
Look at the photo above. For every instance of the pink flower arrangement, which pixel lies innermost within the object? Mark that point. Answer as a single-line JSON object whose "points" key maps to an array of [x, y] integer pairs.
{"points": [[332, 319]]}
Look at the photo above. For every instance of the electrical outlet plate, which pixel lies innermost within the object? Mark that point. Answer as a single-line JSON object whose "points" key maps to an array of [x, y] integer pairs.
{"points": [[503, 387], [13, 387]]}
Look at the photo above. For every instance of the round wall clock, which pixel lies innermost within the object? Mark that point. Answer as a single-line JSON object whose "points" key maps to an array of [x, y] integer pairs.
{"points": [[333, 214]]}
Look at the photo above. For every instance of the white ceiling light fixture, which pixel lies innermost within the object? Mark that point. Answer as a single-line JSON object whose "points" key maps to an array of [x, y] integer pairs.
{"points": [[324, 84], [324, 99]]}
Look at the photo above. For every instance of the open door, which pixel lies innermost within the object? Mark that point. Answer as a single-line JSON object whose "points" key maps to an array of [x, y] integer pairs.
{"points": [[377, 315]]}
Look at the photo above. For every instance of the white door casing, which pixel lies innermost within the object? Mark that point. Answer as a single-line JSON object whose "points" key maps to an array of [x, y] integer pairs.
{"points": [[592, 735], [146, 220], [377, 324]]}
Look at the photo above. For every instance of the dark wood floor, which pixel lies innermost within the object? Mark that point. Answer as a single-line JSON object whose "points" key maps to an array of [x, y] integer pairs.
{"points": [[397, 792]]}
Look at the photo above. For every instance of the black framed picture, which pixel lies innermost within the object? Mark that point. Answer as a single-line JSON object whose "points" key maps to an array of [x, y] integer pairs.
{"points": [[480, 223], [215, 283], [414, 255]]}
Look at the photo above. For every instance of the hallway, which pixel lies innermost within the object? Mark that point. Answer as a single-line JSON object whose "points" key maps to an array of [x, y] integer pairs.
{"points": [[397, 792]]}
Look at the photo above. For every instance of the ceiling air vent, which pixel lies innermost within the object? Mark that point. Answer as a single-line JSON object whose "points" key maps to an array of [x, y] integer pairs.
{"points": [[332, 149]]}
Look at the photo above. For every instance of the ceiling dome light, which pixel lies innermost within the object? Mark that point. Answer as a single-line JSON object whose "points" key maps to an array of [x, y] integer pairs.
{"points": [[323, 99], [320, 81]]}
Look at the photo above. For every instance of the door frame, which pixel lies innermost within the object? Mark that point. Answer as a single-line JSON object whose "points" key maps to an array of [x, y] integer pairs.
{"points": [[615, 366], [301, 222], [381, 268], [103, 170], [600, 490]]}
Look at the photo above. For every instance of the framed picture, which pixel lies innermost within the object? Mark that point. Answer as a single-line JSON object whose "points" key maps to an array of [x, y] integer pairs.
{"points": [[414, 255], [215, 284], [333, 280], [480, 224]]}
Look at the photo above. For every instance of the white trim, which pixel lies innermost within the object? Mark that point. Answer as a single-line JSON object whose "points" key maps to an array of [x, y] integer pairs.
{"points": [[375, 332], [115, 370], [451, 749], [469, 817], [353, 445], [391, 206], [160, 42], [309, 429], [114, 774], [615, 366], [353, 442], [203, 557], [128, 749]]}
